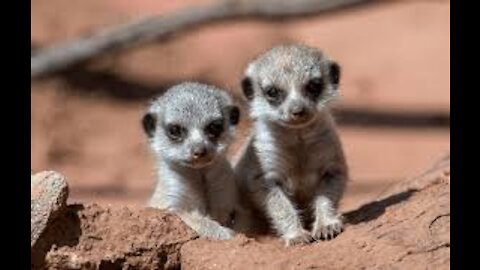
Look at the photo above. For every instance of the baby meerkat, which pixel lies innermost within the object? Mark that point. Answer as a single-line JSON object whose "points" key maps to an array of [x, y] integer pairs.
{"points": [[293, 167], [190, 128]]}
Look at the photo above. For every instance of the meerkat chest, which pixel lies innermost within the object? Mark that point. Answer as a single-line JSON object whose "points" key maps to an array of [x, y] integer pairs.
{"points": [[305, 160], [220, 192], [297, 160], [190, 198]]}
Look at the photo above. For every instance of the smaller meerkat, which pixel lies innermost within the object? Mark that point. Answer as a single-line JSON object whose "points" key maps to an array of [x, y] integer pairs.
{"points": [[189, 129], [293, 168]]}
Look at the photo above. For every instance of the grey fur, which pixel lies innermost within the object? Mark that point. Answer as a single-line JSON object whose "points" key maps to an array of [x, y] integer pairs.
{"points": [[201, 191], [293, 168]]}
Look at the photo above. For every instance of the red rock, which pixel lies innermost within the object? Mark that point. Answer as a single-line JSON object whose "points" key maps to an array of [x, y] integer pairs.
{"points": [[94, 237]]}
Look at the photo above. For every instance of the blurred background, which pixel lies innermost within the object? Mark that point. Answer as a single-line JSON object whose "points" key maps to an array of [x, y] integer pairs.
{"points": [[393, 111]]}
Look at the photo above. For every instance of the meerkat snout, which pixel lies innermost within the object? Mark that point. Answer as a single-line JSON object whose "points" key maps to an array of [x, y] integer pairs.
{"points": [[199, 152], [200, 156], [297, 112]]}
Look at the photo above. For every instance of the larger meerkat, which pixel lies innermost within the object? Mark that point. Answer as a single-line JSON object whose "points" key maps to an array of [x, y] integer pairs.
{"points": [[293, 167], [190, 128]]}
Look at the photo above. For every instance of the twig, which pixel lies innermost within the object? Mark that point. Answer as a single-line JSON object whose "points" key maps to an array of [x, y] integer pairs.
{"points": [[62, 56]]}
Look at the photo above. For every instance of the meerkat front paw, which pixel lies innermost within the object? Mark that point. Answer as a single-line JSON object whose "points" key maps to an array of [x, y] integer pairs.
{"points": [[222, 233], [297, 238], [328, 229]]}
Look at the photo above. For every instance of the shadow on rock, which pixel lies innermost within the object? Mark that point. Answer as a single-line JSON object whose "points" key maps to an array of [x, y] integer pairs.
{"points": [[64, 231]]}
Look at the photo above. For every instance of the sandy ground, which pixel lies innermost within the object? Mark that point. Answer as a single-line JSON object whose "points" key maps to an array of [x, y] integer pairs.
{"points": [[395, 58]]}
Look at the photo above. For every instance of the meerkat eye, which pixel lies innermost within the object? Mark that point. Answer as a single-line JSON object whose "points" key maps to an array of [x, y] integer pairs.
{"points": [[175, 132], [214, 129], [315, 87], [272, 92]]}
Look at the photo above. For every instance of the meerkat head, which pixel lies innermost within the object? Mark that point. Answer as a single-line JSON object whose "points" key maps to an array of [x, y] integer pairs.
{"points": [[290, 85], [191, 124]]}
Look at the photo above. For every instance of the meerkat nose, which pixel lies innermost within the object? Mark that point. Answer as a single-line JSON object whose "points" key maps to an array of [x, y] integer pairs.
{"points": [[199, 152], [298, 111]]}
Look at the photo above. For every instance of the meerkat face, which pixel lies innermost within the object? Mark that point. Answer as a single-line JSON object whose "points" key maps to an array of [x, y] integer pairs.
{"points": [[290, 85], [191, 124]]}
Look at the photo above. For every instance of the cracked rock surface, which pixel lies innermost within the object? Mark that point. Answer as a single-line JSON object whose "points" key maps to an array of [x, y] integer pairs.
{"points": [[408, 227], [94, 237]]}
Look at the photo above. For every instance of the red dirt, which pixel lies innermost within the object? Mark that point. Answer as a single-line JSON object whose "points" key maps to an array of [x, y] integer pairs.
{"points": [[407, 228]]}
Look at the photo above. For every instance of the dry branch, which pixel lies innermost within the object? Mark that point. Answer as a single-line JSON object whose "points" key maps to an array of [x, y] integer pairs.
{"points": [[59, 57]]}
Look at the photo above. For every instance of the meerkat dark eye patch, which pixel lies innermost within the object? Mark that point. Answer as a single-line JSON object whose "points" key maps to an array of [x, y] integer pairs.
{"points": [[334, 70], [214, 129], [234, 115], [148, 124], [314, 88], [273, 94], [175, 132], [247, 88]]}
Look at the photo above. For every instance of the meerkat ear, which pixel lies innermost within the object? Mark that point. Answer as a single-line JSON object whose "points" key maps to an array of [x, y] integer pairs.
{"points": [[247, 88], [234, 114], [334, 72], [149, 124]]}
